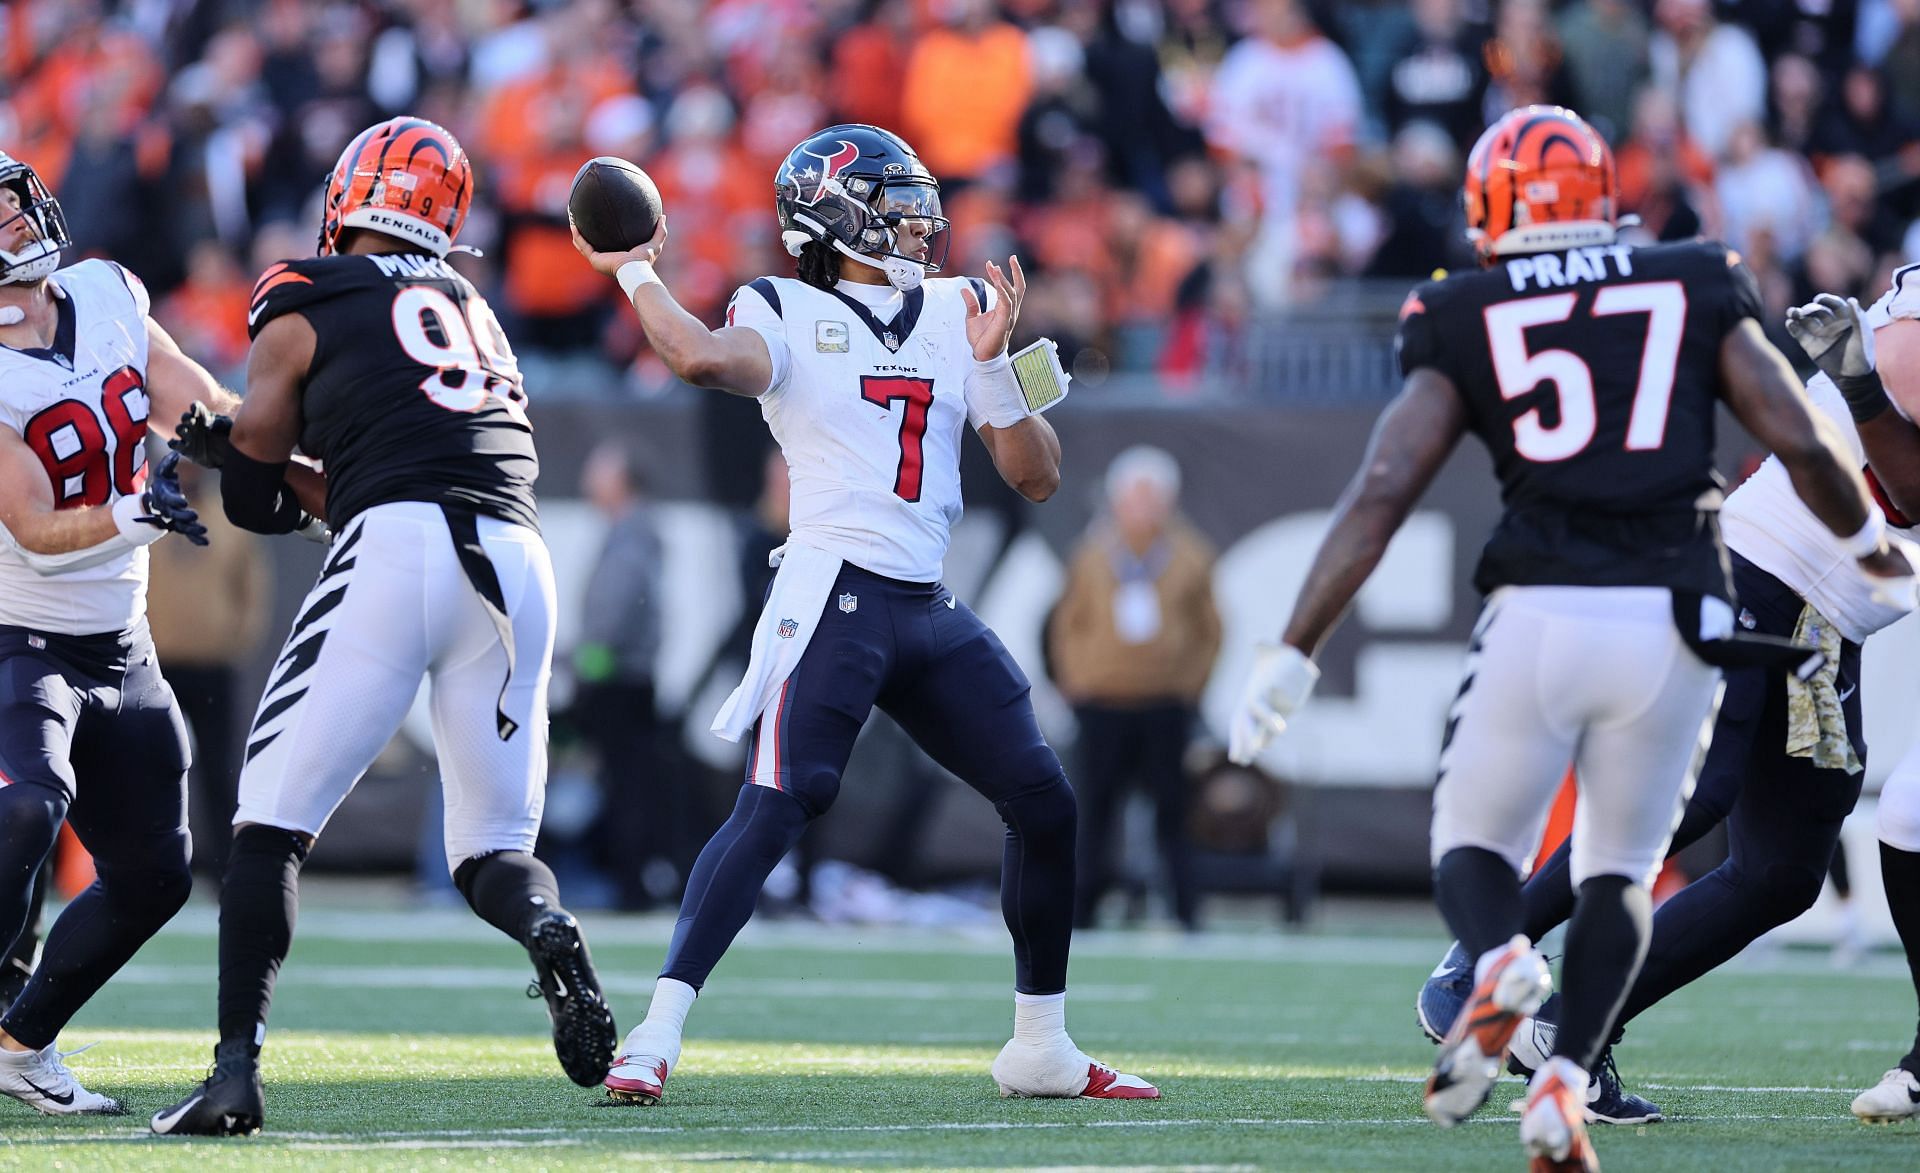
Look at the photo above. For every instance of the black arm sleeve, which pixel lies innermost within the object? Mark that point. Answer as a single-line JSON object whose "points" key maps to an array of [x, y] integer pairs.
{"points": [[256, 495]]}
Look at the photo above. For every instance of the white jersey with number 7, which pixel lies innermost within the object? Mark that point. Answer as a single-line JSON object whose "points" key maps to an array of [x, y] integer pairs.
{"points": [[869, 405]]}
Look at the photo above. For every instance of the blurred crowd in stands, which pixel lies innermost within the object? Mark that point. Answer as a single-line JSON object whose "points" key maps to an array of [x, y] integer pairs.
{"points": [[1168, 170]]}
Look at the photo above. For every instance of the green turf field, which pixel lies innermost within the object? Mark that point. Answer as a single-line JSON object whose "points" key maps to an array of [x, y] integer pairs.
{"points": [[405, 1041]]}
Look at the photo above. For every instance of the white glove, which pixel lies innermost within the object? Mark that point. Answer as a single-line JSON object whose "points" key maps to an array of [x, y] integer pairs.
{"points": [[1281, 681], [1829, 328], [1898, 595]]}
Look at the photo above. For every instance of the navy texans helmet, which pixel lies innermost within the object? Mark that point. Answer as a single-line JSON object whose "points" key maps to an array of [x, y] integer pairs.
{"points": [[39, 255], [852, 187]]}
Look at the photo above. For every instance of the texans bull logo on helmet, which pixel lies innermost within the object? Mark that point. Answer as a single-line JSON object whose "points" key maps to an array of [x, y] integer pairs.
{"points": [[813, 183]]}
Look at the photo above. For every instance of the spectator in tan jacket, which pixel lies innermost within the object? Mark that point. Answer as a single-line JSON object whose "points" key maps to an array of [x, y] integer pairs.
{"points": [[1132, 641]]}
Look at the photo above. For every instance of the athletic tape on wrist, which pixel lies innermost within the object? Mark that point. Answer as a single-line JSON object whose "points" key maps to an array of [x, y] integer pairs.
{"points": [[126, 514], [997, 391], [634, 274]]}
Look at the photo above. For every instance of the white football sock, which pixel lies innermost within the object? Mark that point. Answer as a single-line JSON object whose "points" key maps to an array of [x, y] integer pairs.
{"points": [[667, 1014], [1039, 1018]]}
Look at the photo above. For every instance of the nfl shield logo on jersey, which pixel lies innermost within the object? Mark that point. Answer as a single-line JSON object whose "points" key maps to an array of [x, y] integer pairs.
{"points": [[848, 603], [787, 629], [891, 340]]}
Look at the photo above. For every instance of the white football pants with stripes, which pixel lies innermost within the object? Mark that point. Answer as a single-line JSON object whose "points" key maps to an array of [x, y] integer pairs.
{"points": [[1594, 677], [393, 605]]}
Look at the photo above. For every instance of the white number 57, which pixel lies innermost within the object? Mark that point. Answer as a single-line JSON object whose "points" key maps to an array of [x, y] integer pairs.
{"points": [[1519, 370]]}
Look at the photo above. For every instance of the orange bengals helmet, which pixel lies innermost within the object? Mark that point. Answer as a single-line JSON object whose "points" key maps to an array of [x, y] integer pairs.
{"points": [[404, 177], [1540, 178]]}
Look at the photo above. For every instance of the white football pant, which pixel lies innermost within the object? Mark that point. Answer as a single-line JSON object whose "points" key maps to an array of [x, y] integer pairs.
{"points": [[392, 605], [1593, 677], [1899, 817]]}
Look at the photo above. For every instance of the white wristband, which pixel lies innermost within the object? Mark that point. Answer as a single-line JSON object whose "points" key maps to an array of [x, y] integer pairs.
{"points": [[126, 514], [1871, 538], [634, 274], [994, 392]]}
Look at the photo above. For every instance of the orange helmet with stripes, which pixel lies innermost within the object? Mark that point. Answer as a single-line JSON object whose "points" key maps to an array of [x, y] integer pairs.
{"points": [[404, 177], [1539, 179]]}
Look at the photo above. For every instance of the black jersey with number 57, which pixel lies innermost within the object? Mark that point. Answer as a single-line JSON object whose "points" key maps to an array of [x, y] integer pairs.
{"points": [[413, 393], [1592, 377]]}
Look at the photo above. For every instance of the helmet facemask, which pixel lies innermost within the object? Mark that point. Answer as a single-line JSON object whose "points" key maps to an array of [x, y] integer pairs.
{"points": [[38, 258], [905, 232]]}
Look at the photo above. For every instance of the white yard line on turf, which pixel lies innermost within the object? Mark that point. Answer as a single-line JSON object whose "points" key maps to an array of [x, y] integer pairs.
{"points": [[1743, 1089], [425, 926], [586, 1134], [464, 977]]}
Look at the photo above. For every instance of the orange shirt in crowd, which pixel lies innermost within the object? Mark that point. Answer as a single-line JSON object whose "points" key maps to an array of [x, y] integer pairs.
{"points": [[544, 276], [1168, 251], [869, 71], [210, 321], [1074, 234], [719, 203], [530, 140], [76, 77], [961, 102]]}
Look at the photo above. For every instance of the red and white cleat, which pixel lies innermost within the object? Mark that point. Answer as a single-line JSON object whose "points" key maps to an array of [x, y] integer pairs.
{"points": [[1554, 1125], [1063, 1071], [637, 1079], [1513, 982], [1104, 1083]]}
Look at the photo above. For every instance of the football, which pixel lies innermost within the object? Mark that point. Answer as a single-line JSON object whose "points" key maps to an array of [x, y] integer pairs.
{"points": [[614, 204]]}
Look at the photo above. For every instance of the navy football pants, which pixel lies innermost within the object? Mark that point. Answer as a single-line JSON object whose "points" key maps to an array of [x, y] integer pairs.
{"points": [[925, 659], [89, 734]]}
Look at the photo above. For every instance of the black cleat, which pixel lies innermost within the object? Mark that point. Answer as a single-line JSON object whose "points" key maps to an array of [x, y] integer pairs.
{"points": [[584, 1038], [1610, 1103], [229, 1102]]}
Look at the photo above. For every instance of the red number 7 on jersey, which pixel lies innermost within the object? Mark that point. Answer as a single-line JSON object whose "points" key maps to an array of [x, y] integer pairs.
{"points": [[885, 391]]}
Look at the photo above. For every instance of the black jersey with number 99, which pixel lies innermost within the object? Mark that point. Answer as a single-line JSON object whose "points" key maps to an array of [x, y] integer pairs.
{"points": [[413, 393], [1591, 375]]}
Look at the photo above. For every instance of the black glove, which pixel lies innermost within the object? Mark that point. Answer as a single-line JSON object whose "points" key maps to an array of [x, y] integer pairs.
{"points": [[203, 437], [166, 505]]}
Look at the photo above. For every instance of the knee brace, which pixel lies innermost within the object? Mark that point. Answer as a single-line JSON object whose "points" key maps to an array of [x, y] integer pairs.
{"points": [[1047, 813]]}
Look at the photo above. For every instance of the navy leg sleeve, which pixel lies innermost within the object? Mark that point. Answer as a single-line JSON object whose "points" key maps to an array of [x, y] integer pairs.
{"points": [[969, 706], [727, 878]]}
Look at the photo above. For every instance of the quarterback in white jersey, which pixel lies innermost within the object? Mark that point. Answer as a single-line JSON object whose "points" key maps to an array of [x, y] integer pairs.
{"points": [[89, 731], [869, 375]]}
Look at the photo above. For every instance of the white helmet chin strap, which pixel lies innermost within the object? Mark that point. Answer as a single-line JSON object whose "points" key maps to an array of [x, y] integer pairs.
{"points": [[903, 273], [32, 263]]}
